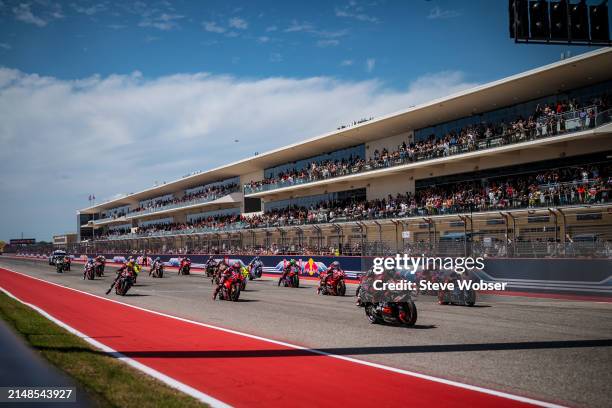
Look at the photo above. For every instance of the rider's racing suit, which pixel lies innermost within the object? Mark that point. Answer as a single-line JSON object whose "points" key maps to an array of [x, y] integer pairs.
{"points": [[225, 274]]}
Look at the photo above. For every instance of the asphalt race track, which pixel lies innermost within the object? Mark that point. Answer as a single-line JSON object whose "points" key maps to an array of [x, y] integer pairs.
{"points": [[552, 350]]}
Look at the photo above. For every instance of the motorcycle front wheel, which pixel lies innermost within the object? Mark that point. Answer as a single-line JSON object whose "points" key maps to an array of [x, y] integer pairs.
{"points": [[341, 288], [235, 293], [370, 311]]}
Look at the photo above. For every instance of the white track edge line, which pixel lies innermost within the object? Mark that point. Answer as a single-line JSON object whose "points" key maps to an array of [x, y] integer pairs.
{"points": [[213, 402], [457, 384]]}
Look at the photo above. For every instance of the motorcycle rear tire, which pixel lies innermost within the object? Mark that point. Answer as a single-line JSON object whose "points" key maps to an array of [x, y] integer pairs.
{"points": [[470, 297], [412, 314]]}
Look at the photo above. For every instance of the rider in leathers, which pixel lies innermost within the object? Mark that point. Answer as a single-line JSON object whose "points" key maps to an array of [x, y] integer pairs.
{"points": [[292, 264], [89, 264], [226, 274], [155, 265], [334, 267]]}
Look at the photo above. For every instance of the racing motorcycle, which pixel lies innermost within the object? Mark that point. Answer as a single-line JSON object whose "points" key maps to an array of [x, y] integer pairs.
{"points": [[255, 269], [332, 283], [216, 274], [122, 283], [393, 307], [67, 263], [231, 288], [90, 271], [210, 266], [62, 264], [457, 296], [402, 310], [99, 267], [244, 277], [157, 270], [185, 266], [291, 279]]}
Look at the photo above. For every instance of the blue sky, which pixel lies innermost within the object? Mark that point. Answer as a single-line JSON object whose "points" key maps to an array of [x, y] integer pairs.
{"points": [[104, 97], [402, 39]]}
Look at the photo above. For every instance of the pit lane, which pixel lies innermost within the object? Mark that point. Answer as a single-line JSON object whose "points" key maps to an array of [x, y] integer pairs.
{"points": [[559, 351]]}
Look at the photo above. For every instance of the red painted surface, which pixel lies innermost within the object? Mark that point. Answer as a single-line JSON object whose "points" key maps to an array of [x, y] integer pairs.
{"points": [[233, 368]]}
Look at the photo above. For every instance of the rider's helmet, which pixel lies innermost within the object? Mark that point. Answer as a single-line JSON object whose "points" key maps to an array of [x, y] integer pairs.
{"points": [[157, 259], [335, 264], [236, 265], [293, 262]]}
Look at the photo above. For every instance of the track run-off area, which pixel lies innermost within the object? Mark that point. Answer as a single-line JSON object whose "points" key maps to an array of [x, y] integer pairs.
{"points": [[291, 347]]}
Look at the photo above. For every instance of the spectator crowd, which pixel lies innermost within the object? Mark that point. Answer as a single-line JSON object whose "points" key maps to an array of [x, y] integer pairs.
{"points": [[589, 184], [205, 194], [548, 119]]}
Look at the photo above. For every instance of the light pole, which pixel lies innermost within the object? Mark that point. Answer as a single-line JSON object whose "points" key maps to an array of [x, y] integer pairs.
{"points": [[92, 199]]}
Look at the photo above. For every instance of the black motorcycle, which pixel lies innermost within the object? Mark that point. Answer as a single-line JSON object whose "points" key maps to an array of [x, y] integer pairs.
{"points": [[99, 268], [157, 270], [211, 268], [403, 312], [386, 306], [61, 265], [122, 283]]}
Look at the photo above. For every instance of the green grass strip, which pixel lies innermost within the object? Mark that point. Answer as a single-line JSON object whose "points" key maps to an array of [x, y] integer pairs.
{"points": [[108, 381]]}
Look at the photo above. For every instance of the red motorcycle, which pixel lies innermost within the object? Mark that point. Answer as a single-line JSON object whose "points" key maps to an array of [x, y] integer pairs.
{"points": [[332, 283], [231, 288], [89, 271], [184, 267], [291, 278]]}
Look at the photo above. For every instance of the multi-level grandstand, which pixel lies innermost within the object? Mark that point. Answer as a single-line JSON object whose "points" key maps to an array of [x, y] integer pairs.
{"points": [[520, 167]]}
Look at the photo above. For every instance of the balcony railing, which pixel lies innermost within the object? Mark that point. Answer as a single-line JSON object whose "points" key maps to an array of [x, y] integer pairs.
{"points": [[201, 230], [202, 200], [549, 126], [555, 194]]}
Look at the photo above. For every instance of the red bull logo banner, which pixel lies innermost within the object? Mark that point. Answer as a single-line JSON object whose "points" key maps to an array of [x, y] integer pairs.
{"points": [[306, 268]]}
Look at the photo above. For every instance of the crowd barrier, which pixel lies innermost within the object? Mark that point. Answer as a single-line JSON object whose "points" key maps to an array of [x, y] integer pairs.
{"points": [[575, 276]]}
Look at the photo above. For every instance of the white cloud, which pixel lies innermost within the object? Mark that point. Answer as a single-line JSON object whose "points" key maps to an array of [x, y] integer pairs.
{"points": [[91, 10], [213, 27], [5, 46], [346, 63], [238, 23], [23, 13], [327, 43], [120, 133], [263, 39], [271, 28], [163, 21], [296, 26], [438, 13], [356, 11], [357, 16], [370, 64]]}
